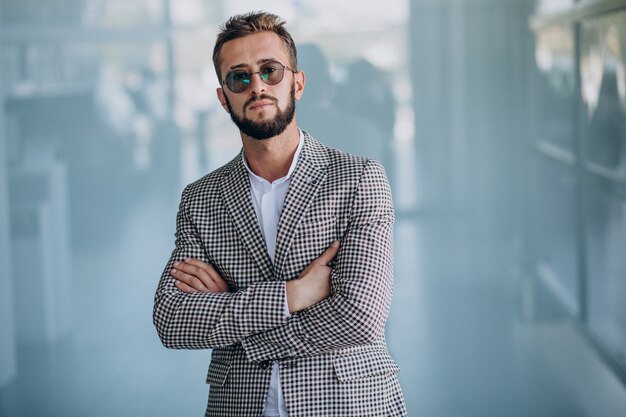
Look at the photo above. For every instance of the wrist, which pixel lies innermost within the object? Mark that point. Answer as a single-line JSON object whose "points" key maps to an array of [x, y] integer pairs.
{"points": [[291, 291]]}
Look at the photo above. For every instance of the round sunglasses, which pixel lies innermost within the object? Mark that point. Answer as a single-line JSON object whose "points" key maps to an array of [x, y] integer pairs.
{"points": [[271, 73]]}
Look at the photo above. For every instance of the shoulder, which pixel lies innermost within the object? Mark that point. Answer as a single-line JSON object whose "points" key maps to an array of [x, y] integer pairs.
{"points": [[340, 164], [210, 183], [361, 181]]}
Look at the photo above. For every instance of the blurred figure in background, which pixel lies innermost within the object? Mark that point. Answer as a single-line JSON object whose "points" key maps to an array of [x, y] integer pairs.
{"points": [[334, 126], [367, 94]]}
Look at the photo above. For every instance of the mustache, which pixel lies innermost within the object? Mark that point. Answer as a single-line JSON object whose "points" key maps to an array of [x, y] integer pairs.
{"points": [[259, 98]]}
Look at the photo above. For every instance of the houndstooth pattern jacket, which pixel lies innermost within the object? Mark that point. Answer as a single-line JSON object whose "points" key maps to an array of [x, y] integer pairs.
{"points": [[332, 356]]}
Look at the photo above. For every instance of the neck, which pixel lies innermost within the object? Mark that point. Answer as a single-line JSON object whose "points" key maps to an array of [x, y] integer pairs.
{"points": [[271, 158]]}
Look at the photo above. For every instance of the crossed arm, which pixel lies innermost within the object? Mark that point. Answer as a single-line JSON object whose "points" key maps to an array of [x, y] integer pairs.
{"points": [[311, 286], [335, 308]]}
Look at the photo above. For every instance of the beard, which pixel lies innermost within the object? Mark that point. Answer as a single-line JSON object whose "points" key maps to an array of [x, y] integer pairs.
{"points": [[267, 128]]}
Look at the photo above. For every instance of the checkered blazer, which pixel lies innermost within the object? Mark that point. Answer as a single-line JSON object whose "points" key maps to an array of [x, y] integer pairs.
{"points": [[332, 356]]}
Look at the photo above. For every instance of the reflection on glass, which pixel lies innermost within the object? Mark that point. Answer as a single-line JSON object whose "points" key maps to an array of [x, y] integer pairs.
{"points": [[591, 75], [603, 50], [554, 193], [603, 43], [554, 103]]}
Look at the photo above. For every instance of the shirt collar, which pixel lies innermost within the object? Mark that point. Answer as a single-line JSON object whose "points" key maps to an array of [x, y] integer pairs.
{"points": [[294, 162]]}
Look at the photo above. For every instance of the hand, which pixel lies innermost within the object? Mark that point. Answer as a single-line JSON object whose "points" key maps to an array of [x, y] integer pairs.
{"points": [[193, 275], [313, 284]]}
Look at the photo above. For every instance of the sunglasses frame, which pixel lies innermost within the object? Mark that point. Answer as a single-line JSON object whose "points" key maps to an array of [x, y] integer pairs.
{"points": [[284, 67]]}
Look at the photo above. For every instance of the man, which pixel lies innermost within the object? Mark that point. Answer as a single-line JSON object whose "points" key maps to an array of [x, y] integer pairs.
{"points": [[283, 258]]}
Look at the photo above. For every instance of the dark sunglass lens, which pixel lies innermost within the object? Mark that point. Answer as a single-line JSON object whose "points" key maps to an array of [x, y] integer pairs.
{"points": [[272, 73], [237, 81]]}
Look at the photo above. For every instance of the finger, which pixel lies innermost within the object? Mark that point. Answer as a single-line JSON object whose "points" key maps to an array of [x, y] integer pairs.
{"points": [[329, 253], [191, 280], [208, 268], [200, 264], [184, 287], [195, 270], [215, 282]]}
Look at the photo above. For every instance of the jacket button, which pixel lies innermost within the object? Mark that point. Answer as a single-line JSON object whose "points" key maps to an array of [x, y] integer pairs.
{"points": [[264, 365]]}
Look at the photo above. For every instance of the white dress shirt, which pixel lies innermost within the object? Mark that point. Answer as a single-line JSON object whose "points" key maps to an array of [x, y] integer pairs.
{"points": [[268, 199]]}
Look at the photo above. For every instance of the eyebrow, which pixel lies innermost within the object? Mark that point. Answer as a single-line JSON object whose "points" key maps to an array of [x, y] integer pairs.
{"points": [[259, 62]]}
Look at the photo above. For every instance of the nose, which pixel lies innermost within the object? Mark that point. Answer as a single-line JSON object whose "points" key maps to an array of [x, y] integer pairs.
{"points": [[257, 86]]}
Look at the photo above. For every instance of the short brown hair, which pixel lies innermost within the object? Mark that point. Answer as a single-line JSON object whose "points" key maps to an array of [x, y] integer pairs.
{"points": [[246, 24]]}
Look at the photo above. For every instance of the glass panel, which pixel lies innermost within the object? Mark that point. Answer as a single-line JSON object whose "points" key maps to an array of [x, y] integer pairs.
{"points": [[554, 94], [103, 109], [603, 50], [40, 68], [195, 13], [547, 7], [84, 13], [554, 229], [35, 11], [553, 200], [603, 53], [605, 222], [122, 13]]}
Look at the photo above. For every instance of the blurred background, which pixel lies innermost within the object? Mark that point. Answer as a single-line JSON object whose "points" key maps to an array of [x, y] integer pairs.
{"points": [[502, 126]]}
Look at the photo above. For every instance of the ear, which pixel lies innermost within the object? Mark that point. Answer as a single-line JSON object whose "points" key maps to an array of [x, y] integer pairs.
{"points": [[222, 98], [300, 81]]}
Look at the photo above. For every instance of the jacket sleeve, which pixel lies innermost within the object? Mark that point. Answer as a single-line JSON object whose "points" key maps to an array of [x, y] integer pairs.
{"points": [[210, 320], [362, 279]]}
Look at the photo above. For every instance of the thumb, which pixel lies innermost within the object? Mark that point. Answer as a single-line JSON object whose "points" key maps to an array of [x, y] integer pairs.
{"points": [[329, 253]]}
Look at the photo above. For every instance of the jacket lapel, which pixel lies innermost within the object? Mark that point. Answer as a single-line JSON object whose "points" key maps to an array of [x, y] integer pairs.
{"points": [[304, 186], [235, 188]]}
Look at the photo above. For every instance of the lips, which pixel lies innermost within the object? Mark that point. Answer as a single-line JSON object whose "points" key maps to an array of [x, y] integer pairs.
{"points": [[260, 104]]}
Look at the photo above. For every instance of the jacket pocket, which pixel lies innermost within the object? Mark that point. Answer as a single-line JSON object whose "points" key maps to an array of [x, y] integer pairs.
{"points": [[218, 371], [364, 364]]}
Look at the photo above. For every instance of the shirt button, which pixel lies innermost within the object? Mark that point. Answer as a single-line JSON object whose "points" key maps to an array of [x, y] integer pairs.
{"points": [[264, 365]]}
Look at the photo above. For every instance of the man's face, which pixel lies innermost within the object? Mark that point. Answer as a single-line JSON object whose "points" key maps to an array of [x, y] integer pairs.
{"points": [[262, 111]]}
